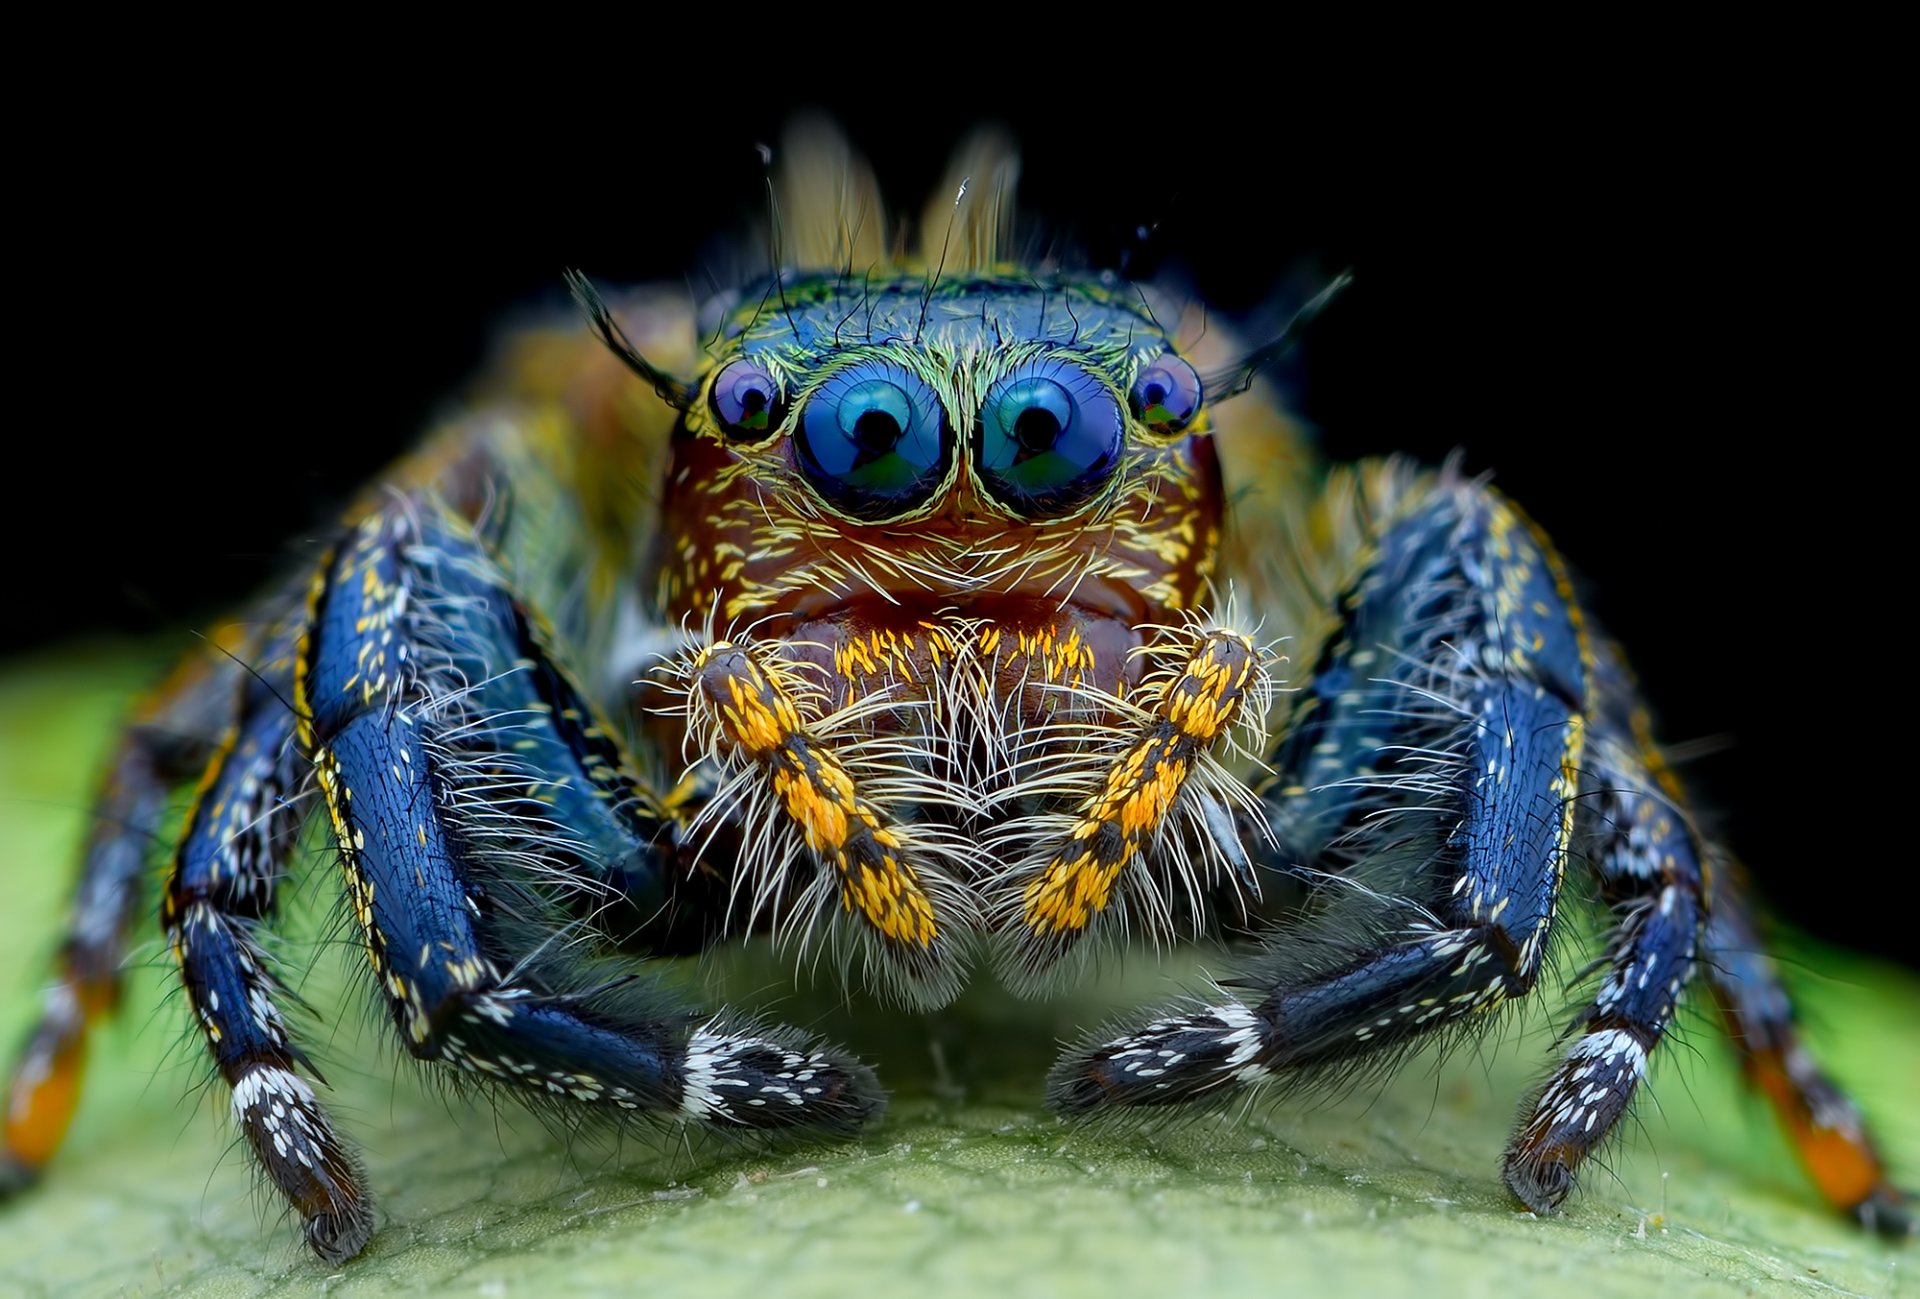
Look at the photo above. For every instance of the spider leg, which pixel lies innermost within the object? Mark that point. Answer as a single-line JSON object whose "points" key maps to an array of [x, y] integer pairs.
{"points": [[1649, 860], [162, 745], [470, 794], [1427, 775], [1821, 1122], [1684, 909], [220, 889]]}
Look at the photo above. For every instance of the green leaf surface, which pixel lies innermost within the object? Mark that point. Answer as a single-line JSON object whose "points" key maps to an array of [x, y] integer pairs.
{"points": [[966, 1187]]}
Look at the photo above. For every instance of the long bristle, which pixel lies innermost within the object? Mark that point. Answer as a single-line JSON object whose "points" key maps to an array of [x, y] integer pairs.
{"points": [[967, 224], [828, 202]]}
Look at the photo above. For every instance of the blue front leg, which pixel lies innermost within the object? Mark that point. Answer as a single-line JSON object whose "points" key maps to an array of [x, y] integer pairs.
{"points": [[1427, 781], [488, 831]]}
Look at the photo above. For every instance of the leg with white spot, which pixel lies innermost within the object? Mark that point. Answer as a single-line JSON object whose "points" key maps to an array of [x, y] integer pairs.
{"points": [[1685, 908], [1326, 1005], [1647, 856], [1426, 783], [479, 810], [220, 888]]}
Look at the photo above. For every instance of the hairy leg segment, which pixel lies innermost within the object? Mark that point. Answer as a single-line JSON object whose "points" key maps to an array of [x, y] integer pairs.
{"points": [[167, 742], [1463, 737], [1820, 1121], [493, 847]]}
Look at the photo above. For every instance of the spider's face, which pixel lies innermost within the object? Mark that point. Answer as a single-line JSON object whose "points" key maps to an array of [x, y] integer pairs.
{"points": [[994, 436]]}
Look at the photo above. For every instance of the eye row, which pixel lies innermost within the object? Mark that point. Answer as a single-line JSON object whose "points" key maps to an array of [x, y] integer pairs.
{"points": [[875, 441]]}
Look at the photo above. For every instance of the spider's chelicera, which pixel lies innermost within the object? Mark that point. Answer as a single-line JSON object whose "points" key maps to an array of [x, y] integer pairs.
{"points": [[906, 618]]}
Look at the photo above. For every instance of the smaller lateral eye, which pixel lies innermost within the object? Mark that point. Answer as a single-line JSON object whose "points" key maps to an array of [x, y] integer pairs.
{"points": [[746, 400], [1166, 396]]}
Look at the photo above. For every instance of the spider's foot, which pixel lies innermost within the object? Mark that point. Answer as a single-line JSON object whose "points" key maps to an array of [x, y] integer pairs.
{"points": [[770, 1079], [297, 1146], [15, 1177], [1171, 1061], [1541, 1180], [1576, 1111], [1888, 1211], [337, 1237]]}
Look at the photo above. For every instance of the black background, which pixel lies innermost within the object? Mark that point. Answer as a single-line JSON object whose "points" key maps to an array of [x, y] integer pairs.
{"points": [[1657, 333]]}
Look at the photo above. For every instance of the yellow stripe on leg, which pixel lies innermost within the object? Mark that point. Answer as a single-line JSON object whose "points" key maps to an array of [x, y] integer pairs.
{"points": [[757, 717], [1197, 708]]}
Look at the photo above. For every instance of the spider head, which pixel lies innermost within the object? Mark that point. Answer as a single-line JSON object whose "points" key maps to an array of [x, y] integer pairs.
{"points": [[994, 431], [986, 396]]}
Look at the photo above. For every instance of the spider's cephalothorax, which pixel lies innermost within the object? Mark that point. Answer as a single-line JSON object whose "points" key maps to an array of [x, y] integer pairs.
{"points": [[926, 610], [980, 512]]}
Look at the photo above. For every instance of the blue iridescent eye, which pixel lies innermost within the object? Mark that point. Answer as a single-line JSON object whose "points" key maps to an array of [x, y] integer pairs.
{"points": [[746, 400], [1050, 435], [1166, 396], [874, 440]]}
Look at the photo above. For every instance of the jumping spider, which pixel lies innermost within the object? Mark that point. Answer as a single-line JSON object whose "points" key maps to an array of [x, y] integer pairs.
{"points": [[934, 641]]}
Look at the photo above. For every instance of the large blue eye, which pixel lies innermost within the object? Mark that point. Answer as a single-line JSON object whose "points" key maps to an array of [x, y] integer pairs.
{"points": [[1050, 435], [873, 440]]}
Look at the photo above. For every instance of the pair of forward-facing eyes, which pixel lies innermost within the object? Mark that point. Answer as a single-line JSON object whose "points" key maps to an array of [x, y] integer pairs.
{"points": [[874, 439]]}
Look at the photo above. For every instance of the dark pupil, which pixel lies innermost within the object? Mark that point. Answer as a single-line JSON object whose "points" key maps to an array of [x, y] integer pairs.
{"points": [[752, 402], [876, 432], [1036, 429], [1156, 394]]}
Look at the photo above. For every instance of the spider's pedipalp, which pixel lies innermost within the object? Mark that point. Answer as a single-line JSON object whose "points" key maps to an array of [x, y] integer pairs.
{"points": [[1213, 683], [806, 806]]}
